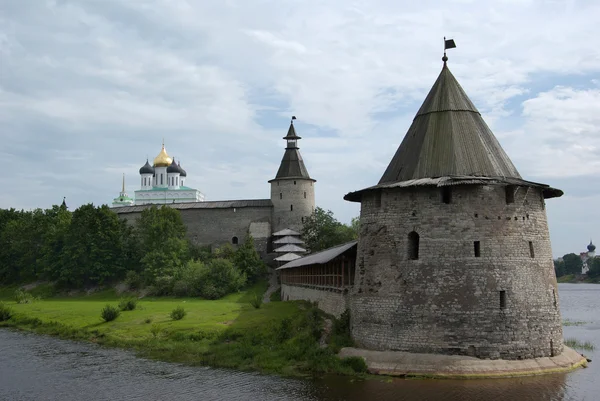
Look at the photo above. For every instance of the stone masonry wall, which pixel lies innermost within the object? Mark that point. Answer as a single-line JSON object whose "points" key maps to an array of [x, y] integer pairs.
{"points": [[448, 301], [293, 201], [217, 227], [334, 303]]}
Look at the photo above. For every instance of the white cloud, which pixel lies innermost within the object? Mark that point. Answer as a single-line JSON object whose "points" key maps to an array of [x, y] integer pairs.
{"points": [[89, 89]]}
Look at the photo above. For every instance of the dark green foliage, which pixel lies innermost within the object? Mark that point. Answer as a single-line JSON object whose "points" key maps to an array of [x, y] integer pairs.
{"points": [[6, 312], [559, 267], [162, 242], [247, 260], [572, 263], [356, 363], [594, 266], [133, 280], [256, 301], [110, 313], [128, 304], [275, 295], [95, 248], [340, 335], [23, 297], [178, 313], [321, 230]]}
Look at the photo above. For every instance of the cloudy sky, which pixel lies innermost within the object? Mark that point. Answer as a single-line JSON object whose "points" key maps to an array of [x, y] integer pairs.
{"points": [[89, 88]]}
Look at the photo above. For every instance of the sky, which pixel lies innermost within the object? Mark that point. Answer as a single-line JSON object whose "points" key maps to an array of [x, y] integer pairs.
{"points": [[89, 90]]}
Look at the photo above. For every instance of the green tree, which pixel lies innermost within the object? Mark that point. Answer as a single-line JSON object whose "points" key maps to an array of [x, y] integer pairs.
{"points": [[161, 236], [594, 266], [247, 260], [321, 230], [572, 263], [94, 248], [559, 267]]}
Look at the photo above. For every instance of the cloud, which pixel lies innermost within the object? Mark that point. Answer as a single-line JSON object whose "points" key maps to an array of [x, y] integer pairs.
{"points": [[89, 89]]}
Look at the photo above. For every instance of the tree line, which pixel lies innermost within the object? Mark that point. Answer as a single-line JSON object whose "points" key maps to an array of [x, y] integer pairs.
{"points": [[571, 263], [93, 246]]}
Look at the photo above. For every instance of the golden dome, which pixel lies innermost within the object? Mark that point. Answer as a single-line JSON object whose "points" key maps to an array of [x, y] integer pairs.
{"points": [[163, 159]]}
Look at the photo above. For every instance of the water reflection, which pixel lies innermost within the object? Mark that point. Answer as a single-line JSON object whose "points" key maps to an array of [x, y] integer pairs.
{"points": [[42, 368]]}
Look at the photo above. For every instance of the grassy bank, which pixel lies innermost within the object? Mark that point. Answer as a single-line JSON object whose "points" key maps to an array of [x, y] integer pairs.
{"points": [[572, 278], [279, 337]]}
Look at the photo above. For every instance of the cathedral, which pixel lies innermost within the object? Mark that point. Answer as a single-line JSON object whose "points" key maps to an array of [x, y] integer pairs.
{"points": [[215, 223], [160, 183]]}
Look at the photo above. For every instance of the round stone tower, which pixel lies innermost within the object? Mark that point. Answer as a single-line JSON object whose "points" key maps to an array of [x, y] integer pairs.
{"points": [[292, 189], [454, 251]]}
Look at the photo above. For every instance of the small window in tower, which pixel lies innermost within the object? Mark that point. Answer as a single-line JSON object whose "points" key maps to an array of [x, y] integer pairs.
{"points": [[477, 248], [280, 195], [294, 182], [531, 251], [509, 192], [413, 245], [291, 208], [446, 195], [304, 195], [161, 179], [378, 199], [234, 240], [502, 299], [302, 219]]}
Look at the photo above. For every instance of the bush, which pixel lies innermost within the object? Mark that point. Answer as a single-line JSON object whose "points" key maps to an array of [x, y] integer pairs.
{"points": [[163, 285], [110, 313], [133, 280], [22, 297], [148, 320], [155, 330], [356, 363], [127, 304], [178, 313], [256, 301], [5, 312]]}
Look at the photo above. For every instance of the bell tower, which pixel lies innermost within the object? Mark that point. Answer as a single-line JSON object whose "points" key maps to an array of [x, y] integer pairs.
{"points": [[292, 189]]}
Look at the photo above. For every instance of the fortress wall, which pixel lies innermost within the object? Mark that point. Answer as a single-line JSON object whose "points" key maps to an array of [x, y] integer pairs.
{"points": [[217, 226], [448, 301], [332, 302]]}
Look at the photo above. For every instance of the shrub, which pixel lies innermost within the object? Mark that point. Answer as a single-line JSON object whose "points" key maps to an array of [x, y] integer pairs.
{"points": [[275, 295], [6, 312], [182, 288], [23, 297], [133, 280], [178, 313], [148, 320], [155, 330], [356, 363], [163, 285], [110, 313], [126, 304], [284, 330], [256, 301], [221, 277]]}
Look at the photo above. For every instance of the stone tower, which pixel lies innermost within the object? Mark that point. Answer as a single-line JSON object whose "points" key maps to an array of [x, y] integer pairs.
{"points": [[292, 189], [454, 251]]}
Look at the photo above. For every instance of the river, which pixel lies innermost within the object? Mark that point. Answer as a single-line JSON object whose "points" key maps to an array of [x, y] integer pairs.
{"points": [[39, 368]]}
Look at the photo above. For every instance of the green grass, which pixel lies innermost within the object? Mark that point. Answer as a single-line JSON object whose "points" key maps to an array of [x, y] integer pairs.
{"points": [[574, 343], [568, 322], [280, 337]]}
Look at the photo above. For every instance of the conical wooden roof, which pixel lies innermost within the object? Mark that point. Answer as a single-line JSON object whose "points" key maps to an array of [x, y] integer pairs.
{"points": [[448, 137]]}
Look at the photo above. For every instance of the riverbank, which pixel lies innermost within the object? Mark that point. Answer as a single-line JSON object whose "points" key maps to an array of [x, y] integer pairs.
{"points": [[575, 279], [279, 337]]}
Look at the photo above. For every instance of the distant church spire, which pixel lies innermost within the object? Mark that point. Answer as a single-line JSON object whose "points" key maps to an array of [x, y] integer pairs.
{"points": [[64, 203], [123, 188]]}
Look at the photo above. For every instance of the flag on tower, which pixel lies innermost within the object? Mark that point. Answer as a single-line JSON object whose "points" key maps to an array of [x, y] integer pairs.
{"points": [[449, 44]]}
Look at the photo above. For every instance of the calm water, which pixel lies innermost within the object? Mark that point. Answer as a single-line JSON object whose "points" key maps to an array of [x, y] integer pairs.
{"points": [[42, 368]]}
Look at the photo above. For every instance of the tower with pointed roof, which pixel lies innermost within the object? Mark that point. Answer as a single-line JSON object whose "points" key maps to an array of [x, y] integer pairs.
{"points": [[292, 189], [454, 252], [123, 199]]}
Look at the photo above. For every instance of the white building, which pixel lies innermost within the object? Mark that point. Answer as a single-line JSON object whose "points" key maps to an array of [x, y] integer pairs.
{"points": [[163, 183]]}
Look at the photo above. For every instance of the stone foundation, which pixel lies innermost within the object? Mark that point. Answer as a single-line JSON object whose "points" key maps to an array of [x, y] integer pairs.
{"points": [[334, 303], [406, 364]]}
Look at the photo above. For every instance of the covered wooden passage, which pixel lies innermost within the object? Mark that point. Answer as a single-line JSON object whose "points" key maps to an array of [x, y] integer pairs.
{"points": [[331, 269]]}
